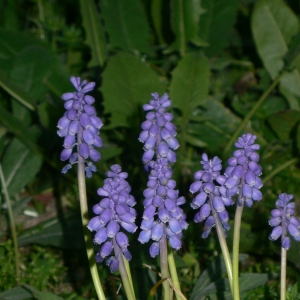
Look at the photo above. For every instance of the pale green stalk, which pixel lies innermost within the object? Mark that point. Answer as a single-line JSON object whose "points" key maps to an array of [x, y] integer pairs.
{"points": [[12, 225], [164, 268], [223, 244], [283, 274], [235, 251], [173, 272], [122, 269], [85, 221], [127, 267]]}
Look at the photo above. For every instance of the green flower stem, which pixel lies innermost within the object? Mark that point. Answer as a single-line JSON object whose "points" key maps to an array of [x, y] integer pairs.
{"points": [[127, 267], [122, 269], [251, 113], [235, 252], [173, 271], [283, 274], [279, 169], [12, 225], [87, 234], [223, 244], [164, 268]]}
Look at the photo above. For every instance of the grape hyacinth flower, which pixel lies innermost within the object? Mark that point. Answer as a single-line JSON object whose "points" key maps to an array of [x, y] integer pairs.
{"points": [[158, 133], [211, 199], [242, 174], [114, 211], [162, 218], [283, 221], [80, 127]]}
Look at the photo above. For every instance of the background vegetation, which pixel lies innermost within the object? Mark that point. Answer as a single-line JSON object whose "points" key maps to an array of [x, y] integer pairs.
{"points": [[229, 67]]}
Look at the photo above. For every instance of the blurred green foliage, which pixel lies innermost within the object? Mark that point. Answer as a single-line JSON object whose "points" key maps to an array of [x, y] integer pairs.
{"points": [[215, 58]]}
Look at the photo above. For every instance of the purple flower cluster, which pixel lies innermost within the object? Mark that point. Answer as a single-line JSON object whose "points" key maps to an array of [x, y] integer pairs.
{"points": [[283, 221], [211, 199], [162, 218], [114, 210], [162, 201], [158, 133], [80, 126], [242, 175]]}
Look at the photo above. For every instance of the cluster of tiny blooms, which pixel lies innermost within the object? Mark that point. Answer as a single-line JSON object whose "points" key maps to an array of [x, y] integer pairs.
{"points": [[242, 174], [211, 199], [80, 127], [162, 218], [283, 221], [158, 133], [114, 211]]}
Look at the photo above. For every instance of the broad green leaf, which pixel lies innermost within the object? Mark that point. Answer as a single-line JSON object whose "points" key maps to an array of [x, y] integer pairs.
{"points": [[218, 126], [273, 25], [28, 136], [272, 105], [211, 280], [12, 42], [31, 66], [157, 19], [65, 233], [284, 122], [127, 85], [190, 83], [16, 92], [216, 24], [21, 112], [298, 137], [293, 54], [17, 293], [247, 281], [290, 87], [10, 16], [20, 165], [41, 295], [95, 36], [185, 23], [126, 24]]}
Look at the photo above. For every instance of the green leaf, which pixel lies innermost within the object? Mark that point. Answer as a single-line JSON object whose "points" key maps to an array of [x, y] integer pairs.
{"points": [[298, 137], [283, 123], [157, 20], [31, 66], [12, 42], [216, 24], [211, 281], [20, 165], [41, 295], [126, 24], [290, 87], [28, 136], [17, 293], [127, 85], [66, 233], [95, 36], [185, 23], [273, 25], [16, 92], [190, 83], [218, 126]]}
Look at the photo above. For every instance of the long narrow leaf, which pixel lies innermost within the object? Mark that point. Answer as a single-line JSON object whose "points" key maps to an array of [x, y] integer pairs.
{"points": [[95, 36]]}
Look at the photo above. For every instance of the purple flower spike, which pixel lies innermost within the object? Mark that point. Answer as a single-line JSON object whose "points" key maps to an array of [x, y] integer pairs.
{"points": [[80, 126], [162, 217], [245, 170], [284, 222], [212, 199], [115, 211]]}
